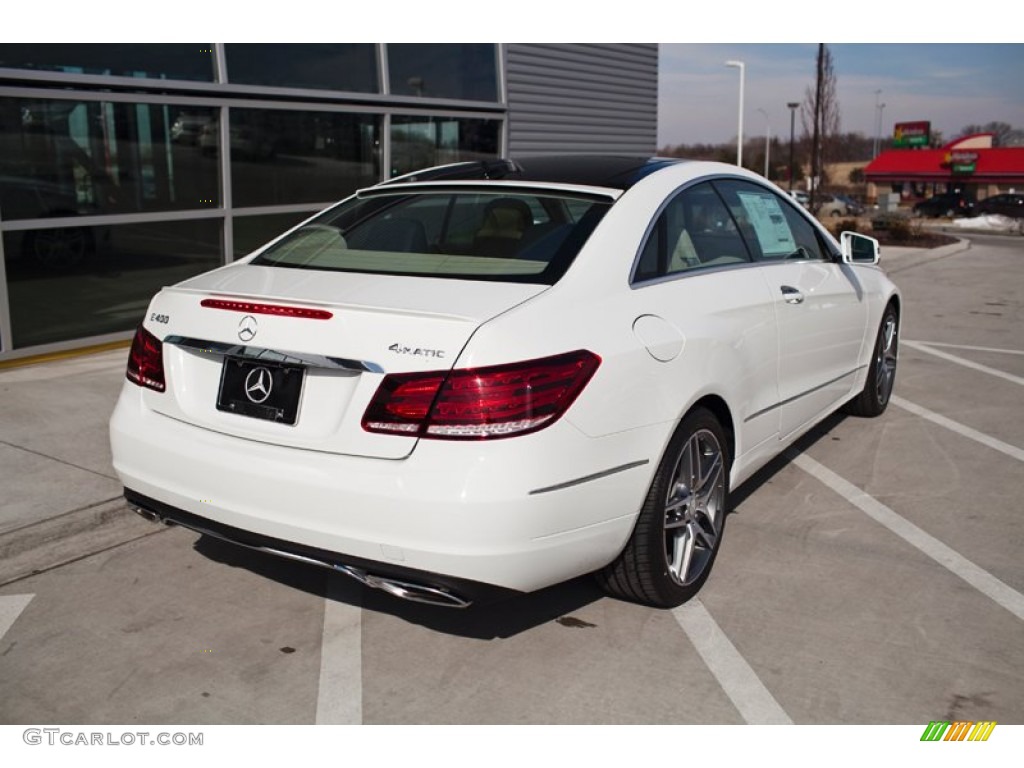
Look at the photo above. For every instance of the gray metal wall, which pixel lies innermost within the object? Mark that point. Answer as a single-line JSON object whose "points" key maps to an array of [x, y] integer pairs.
{"points": [[582, 98]]}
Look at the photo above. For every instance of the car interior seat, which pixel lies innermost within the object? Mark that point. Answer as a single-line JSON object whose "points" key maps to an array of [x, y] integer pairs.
{"points": [[504, 223]]}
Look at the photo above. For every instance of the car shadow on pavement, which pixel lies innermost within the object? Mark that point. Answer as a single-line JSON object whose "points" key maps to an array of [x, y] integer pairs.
{"points": [[487, 621], [769, 470]]}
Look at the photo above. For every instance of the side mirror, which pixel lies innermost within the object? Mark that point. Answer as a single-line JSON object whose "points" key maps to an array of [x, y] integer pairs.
{"points": [[858, 249]]}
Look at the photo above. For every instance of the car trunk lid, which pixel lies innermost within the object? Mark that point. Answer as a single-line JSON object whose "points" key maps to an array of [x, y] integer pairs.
{"points": [[325, 341]]}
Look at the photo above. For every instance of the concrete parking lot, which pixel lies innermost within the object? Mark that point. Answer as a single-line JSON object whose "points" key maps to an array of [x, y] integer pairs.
{"points": [[873, 575]]}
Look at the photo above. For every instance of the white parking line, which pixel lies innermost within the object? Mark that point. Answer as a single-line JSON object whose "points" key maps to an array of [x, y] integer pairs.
{"points": [[977, 577], [740, 683], [962, 429], [11, 607], [962, 361], [967, 346], [340, 695]]}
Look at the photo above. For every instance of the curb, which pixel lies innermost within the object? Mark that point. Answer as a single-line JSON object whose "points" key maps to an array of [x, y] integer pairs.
{"points": [[928, 255], [47, 544]]}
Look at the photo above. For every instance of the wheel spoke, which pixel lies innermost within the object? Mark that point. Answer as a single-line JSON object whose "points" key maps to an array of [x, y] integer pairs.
{"points": [[706, 531], [682, 552], [710, 480]]}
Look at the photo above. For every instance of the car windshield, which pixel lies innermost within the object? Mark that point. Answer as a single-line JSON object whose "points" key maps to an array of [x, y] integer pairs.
{"points": [[469, 234]]}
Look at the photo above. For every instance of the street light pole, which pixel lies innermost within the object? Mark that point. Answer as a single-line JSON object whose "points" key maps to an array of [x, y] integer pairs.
{"points": [[878, 127], [767, 140], [881, 110], [739, 133], [792, 126]]}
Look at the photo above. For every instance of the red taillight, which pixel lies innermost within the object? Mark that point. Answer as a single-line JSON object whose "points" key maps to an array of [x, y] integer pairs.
{"points": [[146, 361], [480, 403], [280, 310]]}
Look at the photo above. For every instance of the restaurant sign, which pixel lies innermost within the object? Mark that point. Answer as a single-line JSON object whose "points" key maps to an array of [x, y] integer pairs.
{"points": [[915, 134], [960, 161]]}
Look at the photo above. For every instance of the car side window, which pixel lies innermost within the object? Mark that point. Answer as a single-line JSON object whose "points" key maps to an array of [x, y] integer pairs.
{"points": [[694, 231], [773, 228]]}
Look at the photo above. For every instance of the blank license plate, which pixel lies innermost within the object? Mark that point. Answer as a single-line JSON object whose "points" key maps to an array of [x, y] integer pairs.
{"points": [[260, 390]]}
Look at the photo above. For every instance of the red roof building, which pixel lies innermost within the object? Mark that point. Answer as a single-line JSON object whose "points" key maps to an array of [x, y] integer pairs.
{"points": [[970, 162]]}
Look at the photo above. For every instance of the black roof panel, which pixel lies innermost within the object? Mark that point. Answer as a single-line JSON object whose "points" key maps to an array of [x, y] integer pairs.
{"points": [[612, 171]]}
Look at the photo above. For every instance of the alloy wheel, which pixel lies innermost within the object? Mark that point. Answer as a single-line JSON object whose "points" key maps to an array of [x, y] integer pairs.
{"points": [[694, 508], [885, 364]]}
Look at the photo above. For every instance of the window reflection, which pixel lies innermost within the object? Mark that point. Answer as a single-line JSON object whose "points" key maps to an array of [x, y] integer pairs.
{"points": [[334, 66], [450, 71], [73, 282], [250, 232], [420, 142], [282, 157], [175, 61], [67, 158]]}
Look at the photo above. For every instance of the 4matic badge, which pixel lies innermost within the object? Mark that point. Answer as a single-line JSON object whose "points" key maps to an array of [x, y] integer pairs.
{"points": [[402, 349]]}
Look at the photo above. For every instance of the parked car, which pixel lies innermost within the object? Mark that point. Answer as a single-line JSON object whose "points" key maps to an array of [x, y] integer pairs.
{"points": [[487, 378], [1011, 205], [801, 197], [834, 207], [188, 127], [948, 204], [247, 142], [853, 208]]}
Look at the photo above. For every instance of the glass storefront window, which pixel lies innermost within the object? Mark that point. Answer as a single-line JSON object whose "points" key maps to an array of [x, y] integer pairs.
{"points": [[449, 71], [281, 157], [250, 232], [172, 61], [420, 142], [71, 158], [73, 282], [332, 66]]}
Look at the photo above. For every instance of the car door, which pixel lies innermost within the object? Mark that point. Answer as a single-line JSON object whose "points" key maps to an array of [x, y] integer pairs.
{"points": [[820, 305], [695, 280]]}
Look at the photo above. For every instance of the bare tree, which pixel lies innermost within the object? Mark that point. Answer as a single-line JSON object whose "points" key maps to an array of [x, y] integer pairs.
{"points": [[819, 115], [1005, 135]]}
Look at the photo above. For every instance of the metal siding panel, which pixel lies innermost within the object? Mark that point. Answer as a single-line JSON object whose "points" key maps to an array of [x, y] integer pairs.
{"points": [[575, 98]]}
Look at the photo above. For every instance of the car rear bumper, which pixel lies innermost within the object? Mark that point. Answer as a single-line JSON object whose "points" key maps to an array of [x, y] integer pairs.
{"points": [[517, 514]]}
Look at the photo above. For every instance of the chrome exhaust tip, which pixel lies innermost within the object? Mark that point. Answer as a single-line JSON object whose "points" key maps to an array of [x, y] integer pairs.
{"points": [[150, 515], [417, 593]]}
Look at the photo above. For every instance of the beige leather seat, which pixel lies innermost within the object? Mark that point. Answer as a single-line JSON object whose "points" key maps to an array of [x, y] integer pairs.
{"points": [[505, 221]]}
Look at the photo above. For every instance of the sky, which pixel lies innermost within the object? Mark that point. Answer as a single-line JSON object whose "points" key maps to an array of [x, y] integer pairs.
{"points": [[951, 85]]}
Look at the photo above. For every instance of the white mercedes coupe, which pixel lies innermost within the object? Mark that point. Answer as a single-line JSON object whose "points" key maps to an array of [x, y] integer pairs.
{"points": [[490, 377]]}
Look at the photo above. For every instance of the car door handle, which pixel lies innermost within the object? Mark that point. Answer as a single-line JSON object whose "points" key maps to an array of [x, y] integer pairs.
{"points": [[792, 295]]}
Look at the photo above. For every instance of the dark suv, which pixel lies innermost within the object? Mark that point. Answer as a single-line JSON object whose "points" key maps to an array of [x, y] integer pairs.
{"points": [[946, 204], [1006, 205]]}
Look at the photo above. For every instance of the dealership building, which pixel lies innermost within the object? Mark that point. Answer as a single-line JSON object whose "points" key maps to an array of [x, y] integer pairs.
{"points": [[127, 167]]}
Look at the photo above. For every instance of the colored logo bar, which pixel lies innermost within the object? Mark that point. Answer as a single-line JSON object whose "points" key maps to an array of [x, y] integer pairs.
{"points": [[961, 730]]}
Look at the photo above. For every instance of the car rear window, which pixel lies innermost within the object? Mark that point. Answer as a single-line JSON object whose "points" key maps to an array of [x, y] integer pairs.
{"points": [[468, 234]]}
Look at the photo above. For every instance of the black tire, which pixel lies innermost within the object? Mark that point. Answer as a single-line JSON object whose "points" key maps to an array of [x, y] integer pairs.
{"points": [[652, 568], [874, 398]]}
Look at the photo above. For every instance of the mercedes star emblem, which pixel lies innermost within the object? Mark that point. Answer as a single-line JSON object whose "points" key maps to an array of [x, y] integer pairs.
{"points": [[258, 384], [247, 328]]}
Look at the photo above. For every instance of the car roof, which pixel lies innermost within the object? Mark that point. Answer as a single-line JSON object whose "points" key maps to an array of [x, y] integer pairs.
{"points": [[609, 171]]}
